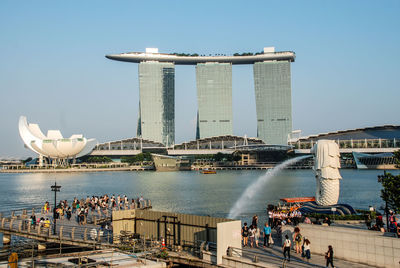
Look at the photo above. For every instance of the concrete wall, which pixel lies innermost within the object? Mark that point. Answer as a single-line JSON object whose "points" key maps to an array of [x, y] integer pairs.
{"points": [[363, 246], [151, 224], [228, 235]]}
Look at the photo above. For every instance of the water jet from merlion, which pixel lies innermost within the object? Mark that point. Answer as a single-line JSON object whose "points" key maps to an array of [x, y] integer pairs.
{"points": [[254, 188]]}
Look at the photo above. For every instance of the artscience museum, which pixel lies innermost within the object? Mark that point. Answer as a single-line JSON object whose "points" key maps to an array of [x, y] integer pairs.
{"points": [[53, 148]]}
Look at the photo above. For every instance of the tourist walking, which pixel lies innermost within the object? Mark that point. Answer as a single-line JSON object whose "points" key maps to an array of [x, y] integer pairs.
{"points": [[329, 256], [245, 234], [33, 221], [297, 237], [252, 234], [286, 247], [257, 236], [254, 221], [267, 233], [270, 217], [306, 248]]}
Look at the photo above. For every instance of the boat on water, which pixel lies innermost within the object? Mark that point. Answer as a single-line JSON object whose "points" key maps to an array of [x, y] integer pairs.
{"points": [[170, 163], [208, 171]]}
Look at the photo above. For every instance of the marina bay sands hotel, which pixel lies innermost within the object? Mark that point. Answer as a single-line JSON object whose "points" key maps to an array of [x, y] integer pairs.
{"points": [[272, 83]]}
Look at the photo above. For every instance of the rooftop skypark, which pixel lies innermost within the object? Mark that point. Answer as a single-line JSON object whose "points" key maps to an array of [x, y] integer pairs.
{"points": [[152, 54]]}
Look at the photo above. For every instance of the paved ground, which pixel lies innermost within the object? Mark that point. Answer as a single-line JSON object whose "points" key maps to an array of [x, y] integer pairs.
{"points": [[274, 256]]}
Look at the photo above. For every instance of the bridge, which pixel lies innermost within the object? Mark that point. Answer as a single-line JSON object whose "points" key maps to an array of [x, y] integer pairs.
{"points": [[352, 145], [94, 232]]}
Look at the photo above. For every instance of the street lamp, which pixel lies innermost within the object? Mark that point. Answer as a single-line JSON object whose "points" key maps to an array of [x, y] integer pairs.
{"points": [[381, 178], [55, 188]]}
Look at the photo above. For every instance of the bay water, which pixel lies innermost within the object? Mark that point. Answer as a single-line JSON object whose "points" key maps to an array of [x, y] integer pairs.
{"points": [[186, 191]]}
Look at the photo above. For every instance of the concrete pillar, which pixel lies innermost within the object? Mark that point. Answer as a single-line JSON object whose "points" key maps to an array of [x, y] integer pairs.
{"points": [[40, 160], [6, 239]]}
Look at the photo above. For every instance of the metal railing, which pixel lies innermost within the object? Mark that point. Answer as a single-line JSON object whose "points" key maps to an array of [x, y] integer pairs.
{"points": [[352, 144]]}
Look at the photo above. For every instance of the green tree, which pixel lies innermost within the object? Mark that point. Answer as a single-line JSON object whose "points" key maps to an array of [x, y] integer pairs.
{"points": [[219, 157], [396, 156], [391, 190], [136, 158], [99, 159], [236, 157]]}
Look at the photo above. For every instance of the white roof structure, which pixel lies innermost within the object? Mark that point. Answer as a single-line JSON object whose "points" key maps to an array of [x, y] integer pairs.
{"points": [[53, 145]]}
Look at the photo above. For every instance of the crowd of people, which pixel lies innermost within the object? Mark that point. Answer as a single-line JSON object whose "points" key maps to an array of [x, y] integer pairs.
{"points": [[80, 208], [252, 235], [378, 225], [276, 217]]}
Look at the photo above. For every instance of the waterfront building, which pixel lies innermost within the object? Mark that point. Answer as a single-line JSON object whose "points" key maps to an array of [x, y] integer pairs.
{"points": [[53, 148], [214, 96], [272, 84], [214, 91], [157, 102], [364, 148]]}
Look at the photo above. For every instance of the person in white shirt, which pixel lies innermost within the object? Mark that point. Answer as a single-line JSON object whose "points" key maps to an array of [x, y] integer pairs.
{"points": [[257, 235], [306, 250], [286, 247], [252, 234]]}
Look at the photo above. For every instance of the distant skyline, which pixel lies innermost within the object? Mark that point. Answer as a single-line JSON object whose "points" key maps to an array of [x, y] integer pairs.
{"points": [[53, 67]]}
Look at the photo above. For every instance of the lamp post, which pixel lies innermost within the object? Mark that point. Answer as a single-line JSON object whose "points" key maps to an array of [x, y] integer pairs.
{"points": [[55, 188], [381, 178]]}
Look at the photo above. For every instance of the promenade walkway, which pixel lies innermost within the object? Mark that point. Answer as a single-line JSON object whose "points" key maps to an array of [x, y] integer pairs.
{"points": [[273, 257], [95, 231]]}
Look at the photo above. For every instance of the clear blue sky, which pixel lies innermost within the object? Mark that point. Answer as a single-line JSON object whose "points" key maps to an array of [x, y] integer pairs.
{"points": [[53, 68]]}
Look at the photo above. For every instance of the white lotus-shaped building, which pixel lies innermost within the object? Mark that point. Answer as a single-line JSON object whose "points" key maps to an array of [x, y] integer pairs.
{"points": [[54, 145]]}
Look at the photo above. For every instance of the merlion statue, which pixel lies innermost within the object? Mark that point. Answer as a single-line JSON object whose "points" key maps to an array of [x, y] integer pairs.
{"points": [[326, 167]]}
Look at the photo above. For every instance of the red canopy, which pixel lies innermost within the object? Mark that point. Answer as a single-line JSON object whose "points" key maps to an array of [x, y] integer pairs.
{"points": [[298, 199]]}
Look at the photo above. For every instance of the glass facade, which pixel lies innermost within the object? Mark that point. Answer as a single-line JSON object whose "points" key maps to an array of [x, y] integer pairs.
{"points": [[272, 83], [214, 96], [157, 102]]}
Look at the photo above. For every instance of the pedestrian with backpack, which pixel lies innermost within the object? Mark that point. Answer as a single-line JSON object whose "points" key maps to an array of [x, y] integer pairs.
{"points": [[297, 238], [286, 247]]}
